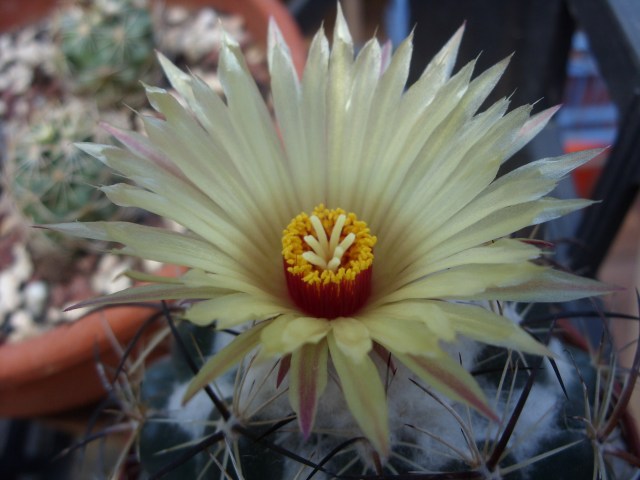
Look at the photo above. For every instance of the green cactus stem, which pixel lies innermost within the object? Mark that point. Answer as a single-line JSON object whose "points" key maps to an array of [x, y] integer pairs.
{"points": [[108, 47]]}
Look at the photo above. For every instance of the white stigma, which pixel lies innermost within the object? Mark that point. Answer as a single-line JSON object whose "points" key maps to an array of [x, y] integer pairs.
{"points": [[327, 252]]}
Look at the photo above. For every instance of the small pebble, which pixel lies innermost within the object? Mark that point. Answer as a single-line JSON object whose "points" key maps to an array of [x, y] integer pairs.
{"points": [[22, 266], [22, 325], [151, 265], [176, 15], [54, 315], [108, 277], [9, 292], [72, 315], [35, 298]]}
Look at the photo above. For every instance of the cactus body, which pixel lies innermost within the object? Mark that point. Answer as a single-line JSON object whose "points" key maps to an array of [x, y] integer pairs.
{"points": [[108, 48]]}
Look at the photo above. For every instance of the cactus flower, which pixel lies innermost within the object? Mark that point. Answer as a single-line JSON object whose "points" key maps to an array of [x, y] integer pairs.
{"points": [[342, 233]]}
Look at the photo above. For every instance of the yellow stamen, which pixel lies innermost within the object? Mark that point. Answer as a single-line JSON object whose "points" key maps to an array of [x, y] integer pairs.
{"points": [[328, 246]]}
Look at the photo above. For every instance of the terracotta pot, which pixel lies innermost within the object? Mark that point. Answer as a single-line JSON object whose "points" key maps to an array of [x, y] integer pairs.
{"points": [[56, 371]]}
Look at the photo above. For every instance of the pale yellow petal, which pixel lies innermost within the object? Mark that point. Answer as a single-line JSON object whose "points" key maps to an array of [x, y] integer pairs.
{"points": [[168, 246], [339, 86], [412, 133], [191, 150], [307, 381], [449, 377], [177, 78], [530, 129], [226, 238], [402, 334], [225, 359], [446, 320], [287, 97], [502, 251], [485, 326], [475, 230], [314, 112], [464, 282], [364, 394], [388, 94], [289, 332], [547, 285], [361, 97], [352, 337], [426, 312], [249, 114], [233, 309], [150, 293], [447, 188]]}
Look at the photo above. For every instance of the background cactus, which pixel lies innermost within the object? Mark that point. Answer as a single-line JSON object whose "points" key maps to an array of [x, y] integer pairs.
{"points": [[54, 78], [108, 47], [52, 181]]}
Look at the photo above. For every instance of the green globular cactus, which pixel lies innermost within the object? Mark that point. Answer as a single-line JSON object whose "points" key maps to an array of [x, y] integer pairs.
{"points": [[52, 181], [108, 47], [254, 435]]}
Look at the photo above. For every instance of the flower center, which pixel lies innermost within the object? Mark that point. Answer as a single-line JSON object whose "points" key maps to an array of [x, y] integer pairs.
{"points": [[328, 257]]}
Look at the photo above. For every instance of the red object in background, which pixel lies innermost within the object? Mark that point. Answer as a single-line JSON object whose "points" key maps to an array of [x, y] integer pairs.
{"points": [[586, 176]]}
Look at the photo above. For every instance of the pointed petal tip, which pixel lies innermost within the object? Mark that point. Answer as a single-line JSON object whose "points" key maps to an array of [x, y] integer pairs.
{"points": [[540, 119], [552, 110], [490, 414], [459, 31], [112, 129], [305, 422], [456, 39], [504, 63], [224, 360], [274, 34], [227, 40], [190, 392], [274, 38], [75, 306], [542, 350], [85, 145], [95, 302], [610, 288], [341, 28], [306, 433], [161, 56], [272, 25], [195, 385], [283, 370], [386, 54]]}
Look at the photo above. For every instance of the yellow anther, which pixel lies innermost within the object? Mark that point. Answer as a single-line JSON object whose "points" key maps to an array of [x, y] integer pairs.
{"points": [[328, 246]]}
